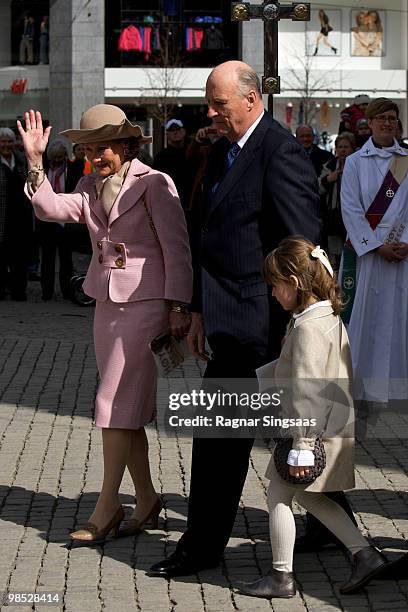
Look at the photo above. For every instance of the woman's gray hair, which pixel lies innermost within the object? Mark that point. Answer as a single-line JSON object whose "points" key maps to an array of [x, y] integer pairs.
{"points": [[56, 147], [247, 80], [349, 136], [6, 132]]}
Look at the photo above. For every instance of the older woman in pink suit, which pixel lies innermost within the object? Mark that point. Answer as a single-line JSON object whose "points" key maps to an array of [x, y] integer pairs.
{"points": [[141, 278]]}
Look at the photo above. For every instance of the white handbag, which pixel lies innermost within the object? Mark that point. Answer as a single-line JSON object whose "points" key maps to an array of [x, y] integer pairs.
{"points": [[169, 352]]}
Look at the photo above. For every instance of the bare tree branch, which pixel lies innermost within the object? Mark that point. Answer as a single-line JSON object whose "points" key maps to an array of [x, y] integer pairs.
{"points": [[304, 79], [165, 82]]}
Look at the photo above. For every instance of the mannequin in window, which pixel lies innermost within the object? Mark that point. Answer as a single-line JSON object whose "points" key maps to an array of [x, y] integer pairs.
{"points": [[213, 39], [27, 39], [44, 40]]}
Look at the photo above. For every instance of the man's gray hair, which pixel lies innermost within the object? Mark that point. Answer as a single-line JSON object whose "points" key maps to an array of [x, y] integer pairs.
{"points": [[6, 132], [248, 79], [56, 147], [304, 125]]}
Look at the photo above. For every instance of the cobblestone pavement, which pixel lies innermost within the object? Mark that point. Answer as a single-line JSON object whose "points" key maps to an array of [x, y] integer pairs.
{"points": [[50, 473]]}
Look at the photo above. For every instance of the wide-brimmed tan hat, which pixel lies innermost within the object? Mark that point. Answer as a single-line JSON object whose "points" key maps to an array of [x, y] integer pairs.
{"points": [[105, 122]]}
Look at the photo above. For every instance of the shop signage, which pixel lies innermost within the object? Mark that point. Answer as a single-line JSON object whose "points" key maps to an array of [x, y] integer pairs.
{"points": [[19, 86]]}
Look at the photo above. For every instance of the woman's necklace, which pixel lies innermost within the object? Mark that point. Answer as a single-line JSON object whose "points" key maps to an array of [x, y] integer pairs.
{"points": [[390, 193]]}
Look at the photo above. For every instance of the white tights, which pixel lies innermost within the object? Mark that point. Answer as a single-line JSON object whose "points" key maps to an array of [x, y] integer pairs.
{"points": [[282, 522]]}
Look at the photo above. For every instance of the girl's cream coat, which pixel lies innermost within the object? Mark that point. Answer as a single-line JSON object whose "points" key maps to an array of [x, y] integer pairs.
{"points": [[315, 363]]}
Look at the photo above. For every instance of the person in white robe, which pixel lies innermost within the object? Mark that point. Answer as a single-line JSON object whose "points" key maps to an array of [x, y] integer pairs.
{"points": [[378, 327]]}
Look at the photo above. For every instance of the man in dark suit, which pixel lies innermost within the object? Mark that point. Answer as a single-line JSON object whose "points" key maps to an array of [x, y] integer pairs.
{"points": [[318, 156], [259, 187], [16, 219]]}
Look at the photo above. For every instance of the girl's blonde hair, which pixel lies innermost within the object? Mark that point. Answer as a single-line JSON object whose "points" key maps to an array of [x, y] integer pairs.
{"points": [[293, 258]]}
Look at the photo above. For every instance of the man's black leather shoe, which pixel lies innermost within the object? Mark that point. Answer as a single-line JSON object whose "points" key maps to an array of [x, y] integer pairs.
{"points": [[178, 564]]}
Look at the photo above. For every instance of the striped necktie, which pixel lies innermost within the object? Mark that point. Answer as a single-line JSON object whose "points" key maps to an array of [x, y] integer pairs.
{"points": [[231, 157], [232, 154]]}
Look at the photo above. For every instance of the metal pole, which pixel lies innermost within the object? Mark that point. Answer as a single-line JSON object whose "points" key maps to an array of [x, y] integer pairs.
{"points": [[271, 54], [271, 12]]}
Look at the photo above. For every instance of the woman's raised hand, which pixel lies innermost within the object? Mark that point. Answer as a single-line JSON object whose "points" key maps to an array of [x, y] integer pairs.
{"points": [[34, 137]]}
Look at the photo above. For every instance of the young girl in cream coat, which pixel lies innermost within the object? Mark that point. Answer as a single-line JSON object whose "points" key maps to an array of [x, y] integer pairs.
{"points": [[315, 350]]}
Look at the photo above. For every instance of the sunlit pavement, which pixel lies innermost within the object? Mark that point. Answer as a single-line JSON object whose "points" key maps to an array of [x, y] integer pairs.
{"points": [[50, 474]]}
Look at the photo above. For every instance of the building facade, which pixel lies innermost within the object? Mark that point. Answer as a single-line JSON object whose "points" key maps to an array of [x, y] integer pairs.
{"points": [[152, 58], [364, 51]]}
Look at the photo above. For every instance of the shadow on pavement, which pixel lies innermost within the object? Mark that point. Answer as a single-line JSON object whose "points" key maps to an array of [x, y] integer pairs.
{"points": [[54, 517]]}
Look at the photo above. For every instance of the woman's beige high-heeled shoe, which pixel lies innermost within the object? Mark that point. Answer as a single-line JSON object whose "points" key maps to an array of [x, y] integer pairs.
{"points": [[135, 526], [91, 533]]}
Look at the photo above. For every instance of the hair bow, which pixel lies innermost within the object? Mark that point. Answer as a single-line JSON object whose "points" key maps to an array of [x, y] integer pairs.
{"points": [[320, 254]]}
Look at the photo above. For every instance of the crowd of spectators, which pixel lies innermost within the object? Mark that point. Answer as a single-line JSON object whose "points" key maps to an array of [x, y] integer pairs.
{"points": [[29, 246], [184, 158]]}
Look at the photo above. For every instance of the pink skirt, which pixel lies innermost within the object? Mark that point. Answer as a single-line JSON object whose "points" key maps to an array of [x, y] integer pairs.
{"points": [[126, 397]]}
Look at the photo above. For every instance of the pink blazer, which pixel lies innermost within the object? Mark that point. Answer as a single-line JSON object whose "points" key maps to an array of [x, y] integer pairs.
{"points": [[128, 263]]}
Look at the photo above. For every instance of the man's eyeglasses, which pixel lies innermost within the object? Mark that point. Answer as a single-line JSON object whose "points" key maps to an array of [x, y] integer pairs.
{"points": [[384, 118]]}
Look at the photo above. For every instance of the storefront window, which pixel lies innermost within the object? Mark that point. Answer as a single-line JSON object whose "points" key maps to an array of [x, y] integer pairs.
{"points": [[169, 32], [30, 32]]}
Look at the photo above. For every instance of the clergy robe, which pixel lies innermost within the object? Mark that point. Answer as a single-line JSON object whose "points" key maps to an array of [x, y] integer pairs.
{"points": [[378, 328]]}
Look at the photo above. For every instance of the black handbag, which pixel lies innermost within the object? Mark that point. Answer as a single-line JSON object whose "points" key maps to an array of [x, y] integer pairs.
{"points": [[280, 457]]}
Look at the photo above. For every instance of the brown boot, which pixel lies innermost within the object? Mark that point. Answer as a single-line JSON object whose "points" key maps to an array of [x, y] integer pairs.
{"points": [[367, 563], [274, 584]]}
